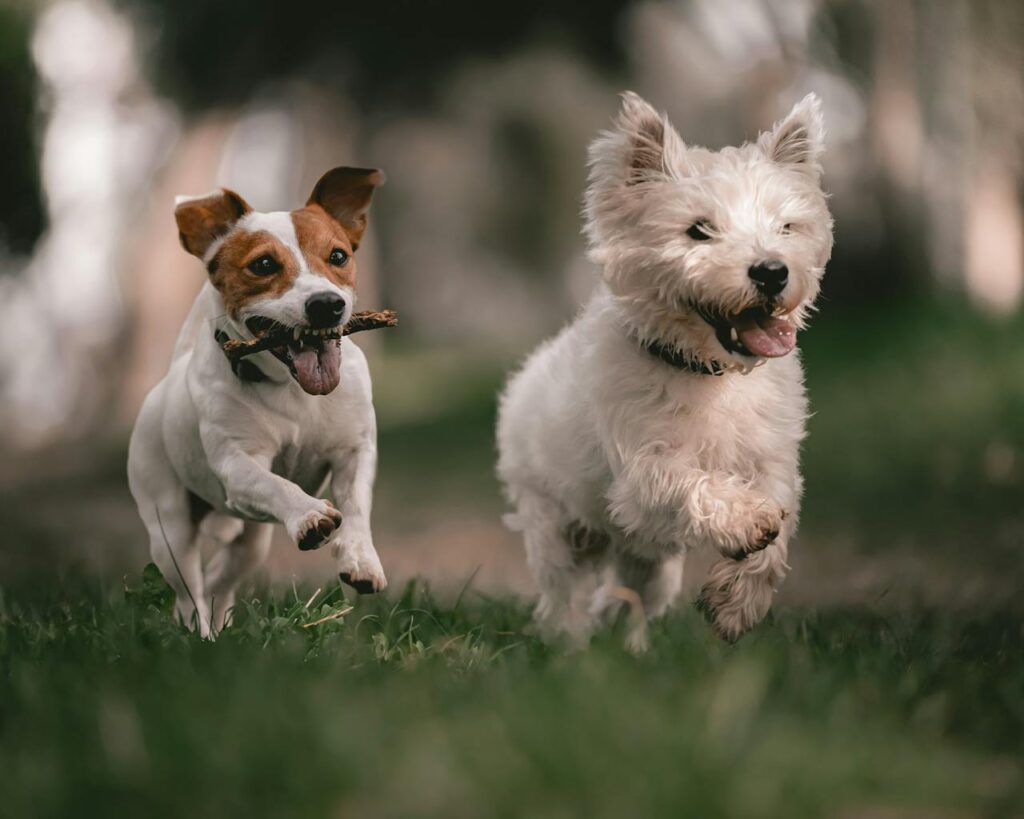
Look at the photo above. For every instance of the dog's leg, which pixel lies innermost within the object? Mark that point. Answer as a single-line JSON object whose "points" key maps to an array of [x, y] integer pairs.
{"points": [[738, 593], [170, 515], [175, 550], [656, 584], [234, 562], [352, 476], [694, 505], [253, 491], [562, 558]]}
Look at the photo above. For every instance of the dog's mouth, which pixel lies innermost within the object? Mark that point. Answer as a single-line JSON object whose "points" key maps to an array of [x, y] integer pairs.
{"points": [[758, 331], [313, 355]]}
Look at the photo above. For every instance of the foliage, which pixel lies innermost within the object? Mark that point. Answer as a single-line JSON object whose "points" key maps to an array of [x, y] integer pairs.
{"points": [[314, 704]]}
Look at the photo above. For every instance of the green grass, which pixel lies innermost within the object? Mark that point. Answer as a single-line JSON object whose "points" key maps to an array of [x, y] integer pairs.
{"points": [[918, 428], [403, 707], [409, 706]]}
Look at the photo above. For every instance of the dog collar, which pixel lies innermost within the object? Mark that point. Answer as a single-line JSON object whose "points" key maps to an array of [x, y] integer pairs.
{"points": [[243, 369], [254, 369], [675, 357]]}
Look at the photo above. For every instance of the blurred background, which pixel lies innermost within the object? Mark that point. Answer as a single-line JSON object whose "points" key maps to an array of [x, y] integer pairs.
{"points": [[481, 116]]}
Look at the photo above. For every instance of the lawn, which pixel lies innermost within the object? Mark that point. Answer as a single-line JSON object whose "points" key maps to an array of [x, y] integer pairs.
{"points": [[904, 705], [402, 706]]}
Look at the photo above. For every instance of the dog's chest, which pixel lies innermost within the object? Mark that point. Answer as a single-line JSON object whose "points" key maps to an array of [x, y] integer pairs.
{"points": [[731, 425], [303, 465], [305, 449]]}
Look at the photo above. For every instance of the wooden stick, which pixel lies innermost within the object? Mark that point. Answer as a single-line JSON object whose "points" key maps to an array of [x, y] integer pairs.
{"points": [[332, 616], [237, 349]]}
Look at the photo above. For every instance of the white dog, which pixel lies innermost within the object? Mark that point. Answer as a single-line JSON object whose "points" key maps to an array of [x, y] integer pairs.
{"points": [[669, 414], [221, 450]]}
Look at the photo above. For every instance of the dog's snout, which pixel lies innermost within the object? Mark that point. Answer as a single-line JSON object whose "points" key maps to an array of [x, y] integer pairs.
{"points": [[325, 309], [769, 276]]}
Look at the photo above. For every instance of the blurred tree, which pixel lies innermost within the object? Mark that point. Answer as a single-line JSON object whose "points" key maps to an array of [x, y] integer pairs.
{"points": [[21, 210], [213, 53]]}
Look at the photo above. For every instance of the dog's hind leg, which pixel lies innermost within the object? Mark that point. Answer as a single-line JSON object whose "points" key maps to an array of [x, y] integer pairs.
{"points": [[170, 514], [738, 593], [234, 562], [561, 558], [174, 548], [656, 585]]}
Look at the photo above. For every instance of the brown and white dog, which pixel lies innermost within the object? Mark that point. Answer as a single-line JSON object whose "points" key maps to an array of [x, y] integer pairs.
{"points": [[223, 451]]}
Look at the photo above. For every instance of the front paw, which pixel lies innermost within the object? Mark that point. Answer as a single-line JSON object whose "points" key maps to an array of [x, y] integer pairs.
{"points": [[313, 529], [358, 565], [734, 600], [752, 527]]}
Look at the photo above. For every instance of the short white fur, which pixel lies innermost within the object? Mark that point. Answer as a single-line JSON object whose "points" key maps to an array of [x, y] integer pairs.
{"points": [[255, 452]]}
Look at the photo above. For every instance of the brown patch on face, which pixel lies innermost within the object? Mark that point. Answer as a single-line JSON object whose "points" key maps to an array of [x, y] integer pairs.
{"points": [[238, 285], [319, 235]]}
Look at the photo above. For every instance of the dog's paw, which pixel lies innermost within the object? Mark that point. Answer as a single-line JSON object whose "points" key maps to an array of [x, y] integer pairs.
{"points": [[315, 528], [733, 600], [359, 566], [637, 640], [754, 526]]}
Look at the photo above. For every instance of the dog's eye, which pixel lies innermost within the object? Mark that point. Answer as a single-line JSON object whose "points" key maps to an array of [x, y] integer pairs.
{"points": [[787, 228], [264, 266], [338, 257], [698, 231]]}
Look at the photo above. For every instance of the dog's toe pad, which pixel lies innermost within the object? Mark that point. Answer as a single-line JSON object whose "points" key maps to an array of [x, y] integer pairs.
{"points": [[362, 586], [317, 535]]}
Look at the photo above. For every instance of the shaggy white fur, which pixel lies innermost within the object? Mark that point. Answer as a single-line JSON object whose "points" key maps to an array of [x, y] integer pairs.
{"points": [[618, 462]]}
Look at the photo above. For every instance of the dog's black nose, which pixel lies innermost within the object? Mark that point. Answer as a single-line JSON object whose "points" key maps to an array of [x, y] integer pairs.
{"points": [[770, 276], [324, 310]]}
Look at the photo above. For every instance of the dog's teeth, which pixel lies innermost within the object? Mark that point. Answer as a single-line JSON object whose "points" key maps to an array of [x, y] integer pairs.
{"points": [[733, 334], [298, 333]]}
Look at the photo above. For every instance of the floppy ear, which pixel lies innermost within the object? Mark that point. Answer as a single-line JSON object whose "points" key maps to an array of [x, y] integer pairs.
{"points": [[654, 148], [345, 194], [204, 219], [798, 140]]}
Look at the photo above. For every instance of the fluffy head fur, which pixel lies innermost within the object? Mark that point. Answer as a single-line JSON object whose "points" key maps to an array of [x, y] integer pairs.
{"points": [[760, 201], [618, 464]]}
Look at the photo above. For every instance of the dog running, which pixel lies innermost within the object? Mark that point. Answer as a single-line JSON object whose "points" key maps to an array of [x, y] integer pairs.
{"points": [[225, 446], [668, 416]]}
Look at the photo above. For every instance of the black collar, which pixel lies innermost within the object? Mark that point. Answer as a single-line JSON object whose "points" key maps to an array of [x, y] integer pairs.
{"points": [[243, 368], [674, 357]]}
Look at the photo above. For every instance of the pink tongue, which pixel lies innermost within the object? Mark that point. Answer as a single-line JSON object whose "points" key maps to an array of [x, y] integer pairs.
{"points": [[318, 371], [764, 335]]}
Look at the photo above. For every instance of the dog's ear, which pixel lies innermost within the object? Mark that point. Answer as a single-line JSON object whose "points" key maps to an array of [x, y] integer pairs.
{"points": [[204, 219], [641, 150], [797, 140], [345, 194], [654, 148]]}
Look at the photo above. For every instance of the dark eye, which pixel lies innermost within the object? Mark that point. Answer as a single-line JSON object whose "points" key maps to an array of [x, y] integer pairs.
{"points": [[698, 231], [338, 257], [787, 228], [264, 266]]}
